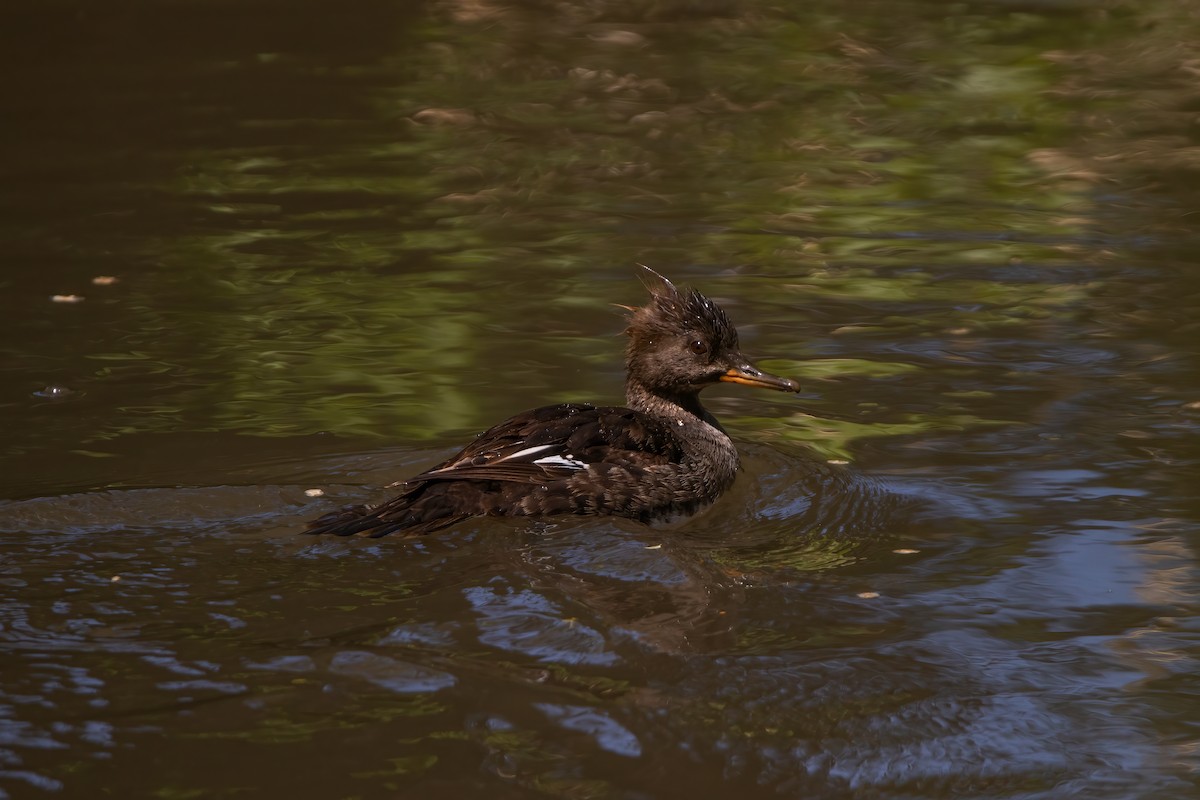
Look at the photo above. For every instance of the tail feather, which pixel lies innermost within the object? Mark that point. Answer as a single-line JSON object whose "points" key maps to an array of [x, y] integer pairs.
{"points": [[398, 514], [346, 521]]}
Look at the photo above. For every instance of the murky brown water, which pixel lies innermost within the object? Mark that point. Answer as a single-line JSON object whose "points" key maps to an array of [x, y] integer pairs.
{"points": [[345, 240]]}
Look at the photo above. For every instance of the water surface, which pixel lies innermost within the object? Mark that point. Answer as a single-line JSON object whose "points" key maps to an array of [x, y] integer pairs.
{"points": [[963, 563]]}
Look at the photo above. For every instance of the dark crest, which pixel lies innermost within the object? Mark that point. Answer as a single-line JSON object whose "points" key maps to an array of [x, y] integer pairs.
{"points": [[674, 311]]}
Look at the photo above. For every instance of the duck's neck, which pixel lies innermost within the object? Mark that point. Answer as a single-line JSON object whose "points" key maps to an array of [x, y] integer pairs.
{"points": [[680, 408]]}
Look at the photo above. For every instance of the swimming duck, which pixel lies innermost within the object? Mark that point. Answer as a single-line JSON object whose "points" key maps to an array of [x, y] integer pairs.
{"points": [[664, 456]]}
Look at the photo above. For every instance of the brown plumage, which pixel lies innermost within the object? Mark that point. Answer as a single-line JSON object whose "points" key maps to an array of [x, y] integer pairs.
{"points": [[663, 456]]}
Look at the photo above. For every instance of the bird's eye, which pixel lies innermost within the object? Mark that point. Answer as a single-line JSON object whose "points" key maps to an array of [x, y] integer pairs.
{"points": [[698, 346]]}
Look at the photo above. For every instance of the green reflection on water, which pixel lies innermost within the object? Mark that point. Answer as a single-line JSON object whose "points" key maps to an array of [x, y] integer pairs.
{"points": [[398, 268], [407, 766]]}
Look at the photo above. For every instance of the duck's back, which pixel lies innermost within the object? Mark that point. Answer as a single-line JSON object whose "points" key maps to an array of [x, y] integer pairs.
{"points": [[563, 459]]}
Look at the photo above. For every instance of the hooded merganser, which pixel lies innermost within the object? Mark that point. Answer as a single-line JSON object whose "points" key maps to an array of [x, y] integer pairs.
{"points": [[662, 457]]}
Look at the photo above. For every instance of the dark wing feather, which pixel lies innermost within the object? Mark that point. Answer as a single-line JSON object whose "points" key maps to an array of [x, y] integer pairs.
{"points": [[537, 453], [548, 444]]}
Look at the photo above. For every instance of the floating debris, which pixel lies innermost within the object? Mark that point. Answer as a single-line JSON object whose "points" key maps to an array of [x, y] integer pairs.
{"points": [[105, 280], [115, 579], [868, 595], [445, 116], [54, 392], [905, 551], [619, 38], [315, 492], [838, 462], [66, 298]]}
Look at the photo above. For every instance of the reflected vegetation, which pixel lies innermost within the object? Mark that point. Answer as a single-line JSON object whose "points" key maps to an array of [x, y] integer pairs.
{"points": [[353, 279], [962, 563]]}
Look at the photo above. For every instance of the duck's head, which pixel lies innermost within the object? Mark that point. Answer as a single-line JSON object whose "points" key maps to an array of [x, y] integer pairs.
{"points": [[681, 342]]}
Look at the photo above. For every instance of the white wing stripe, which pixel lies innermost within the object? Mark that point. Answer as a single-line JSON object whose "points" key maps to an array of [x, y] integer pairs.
{"points": [[568, 461], [528, 451]]}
